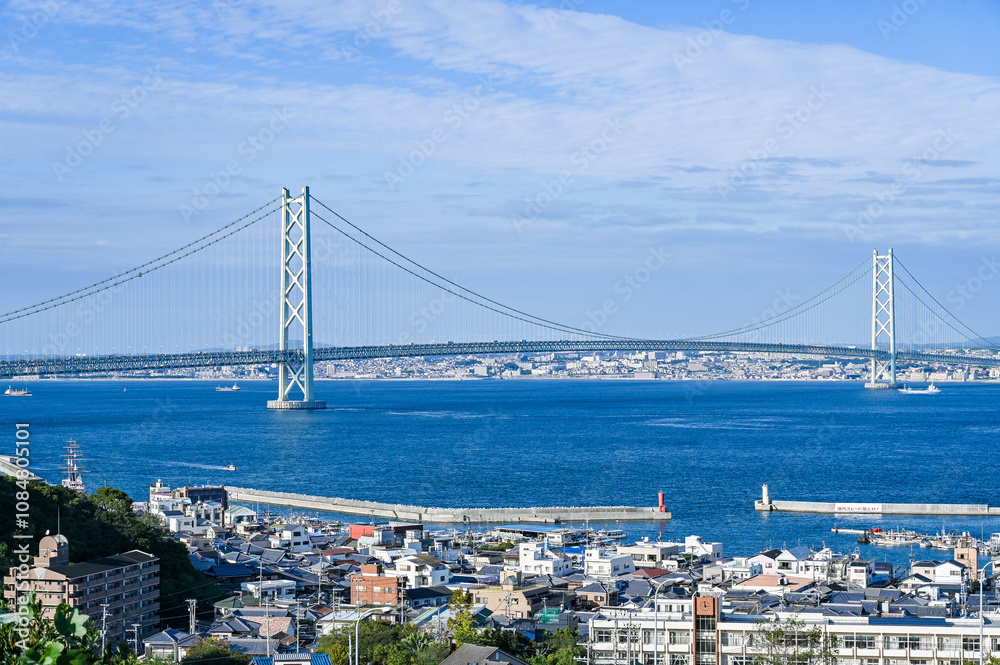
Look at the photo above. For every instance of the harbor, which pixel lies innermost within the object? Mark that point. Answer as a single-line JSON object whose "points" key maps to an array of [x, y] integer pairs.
{"points": [[537, 515], [766, 505]]}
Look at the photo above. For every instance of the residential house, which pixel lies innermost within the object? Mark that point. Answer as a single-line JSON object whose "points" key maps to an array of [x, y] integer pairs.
{"points": [[422, 570]]}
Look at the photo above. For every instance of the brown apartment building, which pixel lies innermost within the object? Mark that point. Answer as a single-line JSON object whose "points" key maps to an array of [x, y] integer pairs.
{"points": [[372, 587], [125, 586]]}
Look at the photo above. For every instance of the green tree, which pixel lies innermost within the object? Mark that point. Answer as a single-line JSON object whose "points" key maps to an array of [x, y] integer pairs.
{"points": [[462, 622], [789, 642], [217, 652], [380, 643], [416, 642], [28, 638], [95, 530], [559, 648], [114, 500]]}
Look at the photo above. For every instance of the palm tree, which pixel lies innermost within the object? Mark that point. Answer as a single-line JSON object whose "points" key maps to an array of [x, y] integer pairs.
{"points": [[415, 642]]}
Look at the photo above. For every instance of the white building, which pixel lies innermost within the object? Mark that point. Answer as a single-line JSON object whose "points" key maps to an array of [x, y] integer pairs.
{"points": [[622, 635], [605, 564], [293, 538], [646, 554], [538, 559], [706, 552], [791, 561], [940, 572], [270, 589], [421, 570]]}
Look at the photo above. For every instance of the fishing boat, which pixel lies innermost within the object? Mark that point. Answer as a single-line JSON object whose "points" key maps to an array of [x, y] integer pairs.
{"points": [[895, 537], [17, 392], [929, 390], [227, 389], [231, 467]]}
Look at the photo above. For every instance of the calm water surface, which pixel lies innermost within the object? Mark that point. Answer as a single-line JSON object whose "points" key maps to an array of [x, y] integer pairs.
{"points": [[708, 445]]}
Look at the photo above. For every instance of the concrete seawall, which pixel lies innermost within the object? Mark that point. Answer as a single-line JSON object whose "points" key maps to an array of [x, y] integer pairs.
{"points": [[766, 504], [877, 508], [540, 515]]}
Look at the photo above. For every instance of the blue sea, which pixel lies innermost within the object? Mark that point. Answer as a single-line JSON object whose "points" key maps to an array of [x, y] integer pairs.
{"points": [[709, 446]]}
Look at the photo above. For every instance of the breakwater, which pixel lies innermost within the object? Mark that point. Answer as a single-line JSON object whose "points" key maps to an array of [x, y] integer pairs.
{"points": [[402, 512], [10, 467], [766, 504]]}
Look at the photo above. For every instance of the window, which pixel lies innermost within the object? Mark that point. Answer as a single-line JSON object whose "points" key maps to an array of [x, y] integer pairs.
{"points": [[859, 642], [680, 659], [970, 644], [948, 644], [706, 642], [739, 660], [602, 635], [731, 639], [705, 623], [680, 637]]}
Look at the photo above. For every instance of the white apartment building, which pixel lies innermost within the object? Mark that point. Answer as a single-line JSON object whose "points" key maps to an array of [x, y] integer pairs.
{"points": [[681, 637], [537, 559], [646, 554], [605, 564]]}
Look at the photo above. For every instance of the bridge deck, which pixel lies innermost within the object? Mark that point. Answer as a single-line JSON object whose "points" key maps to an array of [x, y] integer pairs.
{"points": [[92, 364]]}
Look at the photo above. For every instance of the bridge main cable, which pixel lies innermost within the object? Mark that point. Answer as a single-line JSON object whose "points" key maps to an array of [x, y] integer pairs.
{"points": [[518, 314], [135, 273]]}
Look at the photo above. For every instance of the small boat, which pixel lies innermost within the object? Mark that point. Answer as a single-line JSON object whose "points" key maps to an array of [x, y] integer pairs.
{"points": [[929, 390], [17, 392], [227, 389], [231, 467]]}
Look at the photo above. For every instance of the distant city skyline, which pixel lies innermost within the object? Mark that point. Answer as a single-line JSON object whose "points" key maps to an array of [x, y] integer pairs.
{"points": [[538, 153]]}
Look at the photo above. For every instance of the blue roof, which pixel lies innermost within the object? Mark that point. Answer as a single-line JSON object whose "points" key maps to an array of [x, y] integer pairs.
{"points": [[314, 658], [906, 621]]}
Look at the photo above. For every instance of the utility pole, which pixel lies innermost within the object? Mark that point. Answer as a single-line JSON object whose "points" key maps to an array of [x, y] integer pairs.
{"points": [[104, 625], [135, 638], [192, 605], [267, 619], [298, 613]]}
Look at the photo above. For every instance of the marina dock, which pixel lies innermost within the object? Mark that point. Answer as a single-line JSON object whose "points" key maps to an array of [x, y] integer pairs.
{"points": [[766, 504], [538, 515]]}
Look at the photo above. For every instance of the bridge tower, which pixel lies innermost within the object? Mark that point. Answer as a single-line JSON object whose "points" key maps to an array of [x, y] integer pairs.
{"points": [[883, 372], [296, 304]]}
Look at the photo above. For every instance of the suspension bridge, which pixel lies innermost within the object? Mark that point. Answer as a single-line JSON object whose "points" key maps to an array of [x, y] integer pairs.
{"points": [[338, 293]]}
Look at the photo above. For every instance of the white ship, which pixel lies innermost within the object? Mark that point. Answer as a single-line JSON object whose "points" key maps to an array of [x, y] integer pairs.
{"points": [[227, 389], [74, 472], [15, 392], [929, 390]]}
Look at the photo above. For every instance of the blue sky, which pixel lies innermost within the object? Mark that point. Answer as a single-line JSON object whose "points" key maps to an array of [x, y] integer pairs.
{"points": [[536, 152]]}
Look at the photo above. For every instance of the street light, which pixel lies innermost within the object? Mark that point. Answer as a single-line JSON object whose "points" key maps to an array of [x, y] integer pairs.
{"points": [[982, 620], [656, 622], [357, 625]]}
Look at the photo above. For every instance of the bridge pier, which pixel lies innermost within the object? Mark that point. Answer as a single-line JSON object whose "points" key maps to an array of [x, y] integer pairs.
{"points": [[296, 305]]}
